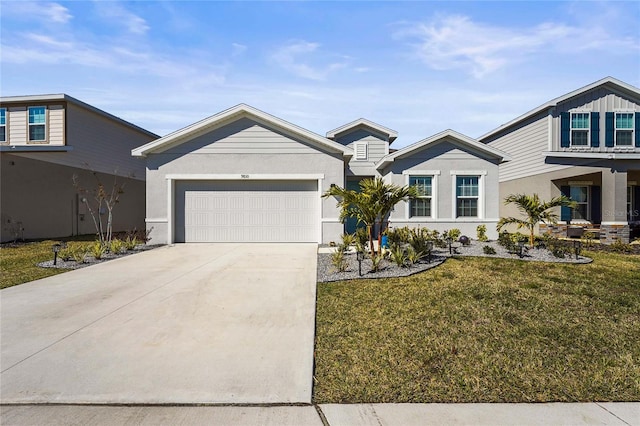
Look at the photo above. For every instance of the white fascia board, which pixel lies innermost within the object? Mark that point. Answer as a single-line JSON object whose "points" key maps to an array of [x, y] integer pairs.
{"points": [[392, 134], [252, 176], [437, 138], [594, 155], [621, 85], [221, 118]]}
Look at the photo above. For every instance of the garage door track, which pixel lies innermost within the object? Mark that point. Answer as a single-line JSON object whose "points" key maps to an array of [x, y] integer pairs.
{"points": [[190, 323]]}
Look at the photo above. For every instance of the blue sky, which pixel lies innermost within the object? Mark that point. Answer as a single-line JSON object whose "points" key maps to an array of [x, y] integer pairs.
{"points": [[416, 67]]}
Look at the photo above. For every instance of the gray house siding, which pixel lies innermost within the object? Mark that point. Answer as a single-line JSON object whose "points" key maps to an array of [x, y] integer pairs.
{"points": [[246, 150], [444, 161], [377, 148]]}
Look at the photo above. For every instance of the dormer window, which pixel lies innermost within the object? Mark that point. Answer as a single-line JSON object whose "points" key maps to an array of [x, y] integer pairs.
{"points": [[361, 151], [579, 129]]}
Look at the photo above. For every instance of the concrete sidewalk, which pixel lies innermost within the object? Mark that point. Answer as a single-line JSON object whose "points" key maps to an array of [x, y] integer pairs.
{"points": [[329, 414]]}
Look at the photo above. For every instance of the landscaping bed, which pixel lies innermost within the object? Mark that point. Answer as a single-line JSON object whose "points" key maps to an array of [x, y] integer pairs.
{"points": [[327, 271], [483, 329]]}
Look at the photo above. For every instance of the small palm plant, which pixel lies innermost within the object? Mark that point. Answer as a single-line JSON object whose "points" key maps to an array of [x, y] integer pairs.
{"points": [[535, 210]]}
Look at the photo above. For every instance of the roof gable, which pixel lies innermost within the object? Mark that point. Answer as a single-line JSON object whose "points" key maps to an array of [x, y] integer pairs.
{"points": [[233, 114], [448, 135], [362, 122], [609, 82]]}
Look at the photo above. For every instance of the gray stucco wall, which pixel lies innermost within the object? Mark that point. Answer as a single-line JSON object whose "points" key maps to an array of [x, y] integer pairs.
{"points": [[41, 195], [444, 158], [200, 156]]}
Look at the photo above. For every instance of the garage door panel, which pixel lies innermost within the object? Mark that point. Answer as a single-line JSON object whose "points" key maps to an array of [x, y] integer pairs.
{"points": [[246, 211]]}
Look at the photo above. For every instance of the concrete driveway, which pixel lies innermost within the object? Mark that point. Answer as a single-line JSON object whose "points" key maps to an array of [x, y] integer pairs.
{"points": [[191, 323]]}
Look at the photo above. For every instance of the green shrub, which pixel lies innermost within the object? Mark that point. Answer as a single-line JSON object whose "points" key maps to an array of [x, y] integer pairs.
{"points": [[362, 237], [338, 260], [619, 247], [79, 254], [454, 234], [414, 256], [116, 246], [399, 235], [131, 242], [348, 239], [66, 254], [488, 250], [376, 261], [398, 255], [481, 233], [97, 250]]}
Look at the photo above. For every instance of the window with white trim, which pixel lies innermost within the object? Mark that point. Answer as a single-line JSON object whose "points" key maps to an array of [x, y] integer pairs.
{"points": [[624, 128], [3, 124], [580, 194], [421, 206], [467, 194], [37, 123], [361, 151], [579, 129]]}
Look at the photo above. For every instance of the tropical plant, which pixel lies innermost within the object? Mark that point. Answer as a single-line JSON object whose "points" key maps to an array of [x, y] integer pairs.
{"points": [[116, 246], [488, 250], [481, 233], [131, 242], [338, 260], [398, 255], [370, 205], [535, 211], [376, 261], [414, 256], [97, 250], [79, 254], [348, 239]]}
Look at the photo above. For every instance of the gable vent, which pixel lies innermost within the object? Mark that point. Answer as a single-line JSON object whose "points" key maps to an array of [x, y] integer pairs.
{"points": [[361, 150]]}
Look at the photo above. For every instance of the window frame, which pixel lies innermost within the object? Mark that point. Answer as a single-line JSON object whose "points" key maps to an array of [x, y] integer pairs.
{"points": [[435, 176], [467, 197], [587, 204], [587, 129], [4, 125], [423, 198], [616, 129], [44, 125]]}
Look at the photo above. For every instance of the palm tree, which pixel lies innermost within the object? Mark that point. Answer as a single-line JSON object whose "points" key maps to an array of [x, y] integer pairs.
{"points": [[535, 210], [372, 204]]}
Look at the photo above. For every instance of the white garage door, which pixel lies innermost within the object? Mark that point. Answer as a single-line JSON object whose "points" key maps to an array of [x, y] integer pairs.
{"points": [[246, 211]]}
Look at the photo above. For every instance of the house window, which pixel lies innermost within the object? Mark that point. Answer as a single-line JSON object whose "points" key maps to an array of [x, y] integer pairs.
{"points": [[361, 151], [467, 196], [3, 124], [624, 128], [421, 207], [580, 194], [37, 126], [580, 129]]}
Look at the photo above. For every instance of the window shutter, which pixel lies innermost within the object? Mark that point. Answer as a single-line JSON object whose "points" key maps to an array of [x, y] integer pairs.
{"points": [[637, 129], [565, 212], [596, 205], [565, 129], [609, 129], [595, 129]]}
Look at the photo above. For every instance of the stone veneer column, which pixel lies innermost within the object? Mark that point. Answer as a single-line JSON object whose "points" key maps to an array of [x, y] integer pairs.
{"points": [[614, 206]]}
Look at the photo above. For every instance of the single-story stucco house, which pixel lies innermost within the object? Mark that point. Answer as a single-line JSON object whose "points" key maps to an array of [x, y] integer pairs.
{"points": [[243, 175], [584, 144], [45, 140]]}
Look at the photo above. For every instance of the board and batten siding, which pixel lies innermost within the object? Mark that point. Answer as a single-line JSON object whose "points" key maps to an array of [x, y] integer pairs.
{"points": [[377, 147], [525, 144], [600, 100], [243, 136]]}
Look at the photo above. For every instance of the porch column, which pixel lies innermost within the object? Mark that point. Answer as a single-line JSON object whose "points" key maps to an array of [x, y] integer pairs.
{"points": [[614, 206]]}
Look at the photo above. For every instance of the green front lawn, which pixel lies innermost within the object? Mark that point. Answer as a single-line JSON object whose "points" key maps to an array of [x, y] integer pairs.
{"points": [[483, 330], [18, 264]]}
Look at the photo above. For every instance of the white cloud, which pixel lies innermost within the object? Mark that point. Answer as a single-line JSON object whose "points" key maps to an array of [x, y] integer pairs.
{"points": [[116, 13], [290, 57], [238, 49], [46, 12], [457, 42]]}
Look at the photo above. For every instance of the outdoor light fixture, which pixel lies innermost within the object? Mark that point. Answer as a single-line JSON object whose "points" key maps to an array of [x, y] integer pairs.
{"points": [[449, 241], [56, 248], [577, 246], [360, 257], [429, 248], [520, 248]]}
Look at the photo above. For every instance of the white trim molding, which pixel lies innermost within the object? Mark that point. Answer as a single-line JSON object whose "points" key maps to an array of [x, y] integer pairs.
{"points": [[611, 223], [434, 174], [248, 176], [156, 220], [481, 193]]}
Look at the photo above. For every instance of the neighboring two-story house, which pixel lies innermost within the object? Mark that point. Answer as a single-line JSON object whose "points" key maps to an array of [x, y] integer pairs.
{"points": [[246, 176], [586, 145], [47, 140]]}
